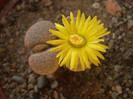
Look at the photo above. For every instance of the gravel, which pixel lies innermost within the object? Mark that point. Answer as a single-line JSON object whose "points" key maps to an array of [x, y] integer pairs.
{"points": [[98, 70], [112, 79]]}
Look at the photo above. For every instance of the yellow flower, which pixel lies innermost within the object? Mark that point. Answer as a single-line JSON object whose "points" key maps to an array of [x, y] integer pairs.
{"points": [[78, 41]]}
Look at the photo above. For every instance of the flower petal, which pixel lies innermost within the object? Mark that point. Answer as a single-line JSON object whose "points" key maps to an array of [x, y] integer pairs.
{"points": [[86, 24], [56, 42], [60, 59], [84, 56], [95, 31], [72, 24], [64, 51], [78, 19], [74, 59], [79, 29], [66, 23], [95, 62], [92, 24], [96, 41], [91, 53], [97, 47], [99, 54], [62, 29], [103, 34], [58, 34], [58, 48], [81, 61], [67, 58]]}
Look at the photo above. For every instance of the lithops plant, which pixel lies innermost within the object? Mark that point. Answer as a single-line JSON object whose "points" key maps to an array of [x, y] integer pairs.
{"points": [[42, 61], [77, 47]]}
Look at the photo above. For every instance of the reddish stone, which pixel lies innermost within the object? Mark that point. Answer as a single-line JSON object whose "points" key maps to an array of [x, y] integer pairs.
{"points": [[56, 95], [13, 66], [112, 7], [26, 76]]}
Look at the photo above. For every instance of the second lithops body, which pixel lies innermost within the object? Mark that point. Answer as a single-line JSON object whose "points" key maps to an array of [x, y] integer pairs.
{"points": [[42, 61]]}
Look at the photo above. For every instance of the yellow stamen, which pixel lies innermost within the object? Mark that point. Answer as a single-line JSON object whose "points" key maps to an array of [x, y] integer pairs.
{"points": [[77, 41]]}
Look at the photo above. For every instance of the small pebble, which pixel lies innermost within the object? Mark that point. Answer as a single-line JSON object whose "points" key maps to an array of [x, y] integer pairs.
{"points": [[18, 7], [117, 68], [54, 85], [48, 3], [7, 69], [29, 70], [2, 50], [56, 95], [50, 76], [30, 86], [23, 5], [96, 5], [128, 53], [11, 40], [121, 29], [125, 96], [18, 79], [36, 1], [98, 70], [32, 79], [119, 37], [111, 44], [41, 81], [114, 95], [130, 24], [4, 21], [36, 88], [129, 17], [118, 14], [122, 49], [17, 33], [62, 97], [119, 89], [31, 1], [24, 85], [113, 36], [115, 20], [113, 88]]}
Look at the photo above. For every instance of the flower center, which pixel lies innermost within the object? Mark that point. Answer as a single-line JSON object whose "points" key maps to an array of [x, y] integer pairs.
{"points": [[77, 41]]}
